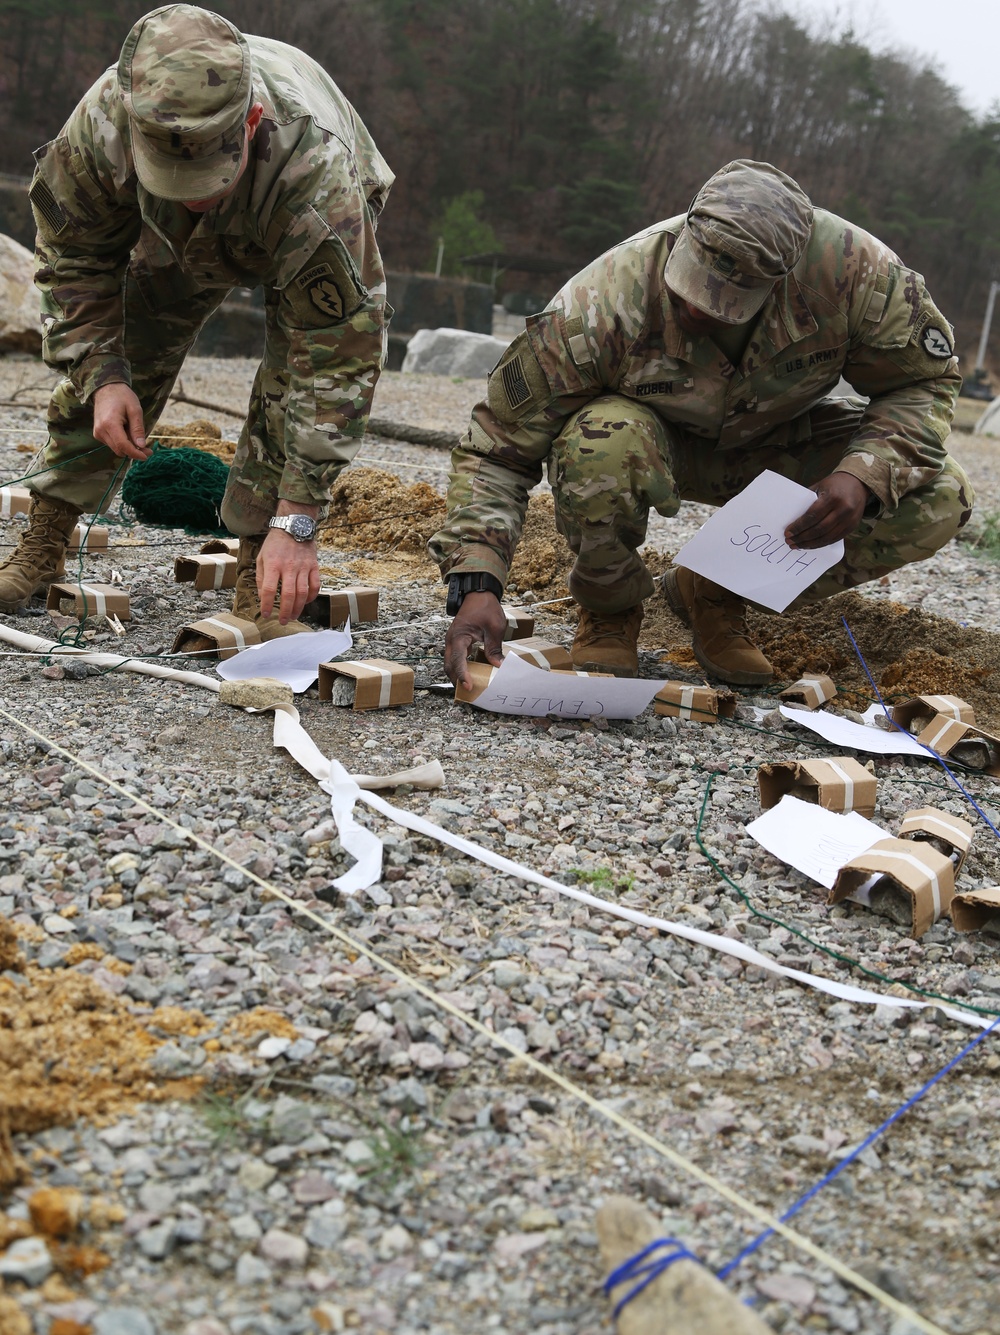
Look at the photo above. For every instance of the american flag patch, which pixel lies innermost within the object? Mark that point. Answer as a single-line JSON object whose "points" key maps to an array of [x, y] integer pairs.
{"points": [[514, 384], [45, 202]]}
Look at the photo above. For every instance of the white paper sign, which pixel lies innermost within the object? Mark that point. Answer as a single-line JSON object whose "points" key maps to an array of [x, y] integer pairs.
{"points": [[856, 736], [521, 688], [742, 548], [294, 659], [813, 840]]}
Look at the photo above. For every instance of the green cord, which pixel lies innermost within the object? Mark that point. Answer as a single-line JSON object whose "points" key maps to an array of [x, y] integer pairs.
{"points": [[816, 945]]}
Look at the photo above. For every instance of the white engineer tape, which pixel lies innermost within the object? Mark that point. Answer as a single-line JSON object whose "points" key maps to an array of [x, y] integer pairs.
{"points": [[848, 783], [231, 630], [93, 596], [344, 792]]}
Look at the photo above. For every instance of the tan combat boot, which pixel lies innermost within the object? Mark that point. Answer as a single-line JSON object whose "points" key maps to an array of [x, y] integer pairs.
{"points": [[718, 620], [608, 642], [39, 553], [246, 599]]}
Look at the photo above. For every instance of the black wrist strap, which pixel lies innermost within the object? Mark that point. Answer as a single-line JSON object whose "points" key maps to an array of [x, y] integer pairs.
{"points": [[470, 582]]}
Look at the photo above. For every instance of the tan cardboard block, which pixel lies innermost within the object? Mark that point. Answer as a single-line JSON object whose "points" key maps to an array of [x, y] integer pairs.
{"points": [[973, 909], [228, 633], [520, 624], [91, 600], [14, 501], [543, 653], [96, 539], [702, 704], [919, 870], [947, 833], [963, 744], [810, 691], [377, 683], [482, 674], [217, 571], [333, 607], [924, 707], [838, 783], [220, 547]]}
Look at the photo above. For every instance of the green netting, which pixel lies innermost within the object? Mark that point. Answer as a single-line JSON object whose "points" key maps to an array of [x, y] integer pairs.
{"points": [[180, 488]]}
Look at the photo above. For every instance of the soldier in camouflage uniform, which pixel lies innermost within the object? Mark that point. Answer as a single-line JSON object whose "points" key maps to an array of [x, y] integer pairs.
{"points": [[679, 366], [203, 161]]}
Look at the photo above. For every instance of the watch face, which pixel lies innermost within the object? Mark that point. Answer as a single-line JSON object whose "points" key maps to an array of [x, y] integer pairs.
{"points": [[301, 527]]}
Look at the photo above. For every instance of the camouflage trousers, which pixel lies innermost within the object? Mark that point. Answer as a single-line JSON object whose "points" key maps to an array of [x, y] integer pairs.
{"points": [[158, 335], [616, 460]]}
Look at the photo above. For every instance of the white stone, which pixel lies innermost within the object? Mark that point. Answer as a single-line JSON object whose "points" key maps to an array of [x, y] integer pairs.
{"points": [[28, 1260], [455, 352], [20, 303], [285, 1248]]}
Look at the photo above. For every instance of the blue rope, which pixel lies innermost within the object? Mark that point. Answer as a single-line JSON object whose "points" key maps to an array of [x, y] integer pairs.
{"points": [[634, 1268], [930, 750], [793, 1210]]}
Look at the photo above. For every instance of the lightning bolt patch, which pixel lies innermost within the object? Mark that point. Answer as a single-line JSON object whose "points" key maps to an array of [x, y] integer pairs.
{"points": [[936, 343]]}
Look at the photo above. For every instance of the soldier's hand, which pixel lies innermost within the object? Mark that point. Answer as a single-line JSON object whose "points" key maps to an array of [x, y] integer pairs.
{"points": [[292, 565], [840, 502], [118, 422], [480, 619]]}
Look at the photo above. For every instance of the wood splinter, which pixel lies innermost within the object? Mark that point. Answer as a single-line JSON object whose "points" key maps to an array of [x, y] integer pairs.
{"points": [[686, 1299]]}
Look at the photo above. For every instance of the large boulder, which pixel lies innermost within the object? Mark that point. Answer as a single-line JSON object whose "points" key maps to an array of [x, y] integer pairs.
{"points": [[20, 307], [454, 352], [989, 423]]}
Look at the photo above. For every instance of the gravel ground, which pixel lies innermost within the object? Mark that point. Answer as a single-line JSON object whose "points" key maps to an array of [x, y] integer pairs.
{"points": [[358, 1158]]}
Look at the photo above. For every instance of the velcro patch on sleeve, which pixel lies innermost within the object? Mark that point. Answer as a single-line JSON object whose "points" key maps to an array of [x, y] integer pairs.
{"points": [[518, 384], [47, 206], [329, 289]]}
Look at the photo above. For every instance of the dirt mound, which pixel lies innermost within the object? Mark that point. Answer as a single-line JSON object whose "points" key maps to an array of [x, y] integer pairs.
{"points": [[909, 652], [374, 511], [198, 435]]}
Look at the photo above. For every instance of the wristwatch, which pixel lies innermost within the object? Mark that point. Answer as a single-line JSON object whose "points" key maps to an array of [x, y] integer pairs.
{"points": [[299, 527], [470, 582]]}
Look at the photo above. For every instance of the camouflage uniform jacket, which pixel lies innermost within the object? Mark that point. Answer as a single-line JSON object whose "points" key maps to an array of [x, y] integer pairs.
{"points": [[300, 222], [849, 308]]}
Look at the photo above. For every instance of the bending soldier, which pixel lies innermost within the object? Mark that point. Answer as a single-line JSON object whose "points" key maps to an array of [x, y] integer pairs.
{"points": [[679, 366], [203, 161]]}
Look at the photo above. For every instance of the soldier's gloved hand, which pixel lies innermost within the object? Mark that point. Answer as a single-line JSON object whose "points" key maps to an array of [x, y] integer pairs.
{"points": [[292, 565], [480, 619], [118, 422], [840, 502]]}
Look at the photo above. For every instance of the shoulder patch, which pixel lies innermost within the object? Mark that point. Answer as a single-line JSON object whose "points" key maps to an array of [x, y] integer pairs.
{"points": [[518, 384], [935, 342], [320, 283], [47, 205]]}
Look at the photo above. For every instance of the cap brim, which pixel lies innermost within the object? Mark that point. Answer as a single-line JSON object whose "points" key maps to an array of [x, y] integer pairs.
{"points": [[691, 280], [168, 176]]}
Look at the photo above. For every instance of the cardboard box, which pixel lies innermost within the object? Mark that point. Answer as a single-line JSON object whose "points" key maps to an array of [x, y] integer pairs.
{"points": [[333, 607], [701, 704], [206, 572], [810, 691], [220, 547], [541, 652], [927, 706], [520, 624], [91, 600], [923, 874], [482, 674], [376, 682], [228, 633], [963, 744], [973, 909], [837, 783], [14, 501], [939, 827], [96, 539]]}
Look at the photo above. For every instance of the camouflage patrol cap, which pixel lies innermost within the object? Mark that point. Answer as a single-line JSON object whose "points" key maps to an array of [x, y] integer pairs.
{"points": [[747, 228], [185, 81]]}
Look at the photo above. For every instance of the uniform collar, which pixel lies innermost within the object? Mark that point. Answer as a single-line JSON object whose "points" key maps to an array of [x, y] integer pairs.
{"points": [[784, 319]]}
